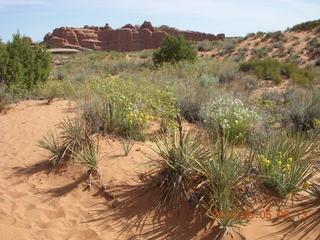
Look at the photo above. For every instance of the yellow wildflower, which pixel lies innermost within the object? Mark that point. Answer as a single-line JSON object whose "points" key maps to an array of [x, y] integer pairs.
{"points": [[130, 121], [290, 160], [266, 162], [288, 166], [307, 184], [279, 163]]}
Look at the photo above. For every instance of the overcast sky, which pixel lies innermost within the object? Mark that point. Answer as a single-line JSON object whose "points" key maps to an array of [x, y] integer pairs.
{"points": [[35, 18]]}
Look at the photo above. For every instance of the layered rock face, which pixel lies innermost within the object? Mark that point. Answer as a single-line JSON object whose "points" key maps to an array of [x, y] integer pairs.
{"points": [[127, 38]]}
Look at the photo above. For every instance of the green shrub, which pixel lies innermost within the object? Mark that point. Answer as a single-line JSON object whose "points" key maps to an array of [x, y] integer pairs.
{"points": [[174, 49], [236, 119], [23, 68], [284, 163]]}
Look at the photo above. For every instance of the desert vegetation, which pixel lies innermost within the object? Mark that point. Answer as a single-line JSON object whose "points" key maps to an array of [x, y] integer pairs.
{"points": [[225, 133]]}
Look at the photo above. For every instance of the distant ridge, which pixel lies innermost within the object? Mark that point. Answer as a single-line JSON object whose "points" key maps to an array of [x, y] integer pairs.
{"points": [[126, 38]]}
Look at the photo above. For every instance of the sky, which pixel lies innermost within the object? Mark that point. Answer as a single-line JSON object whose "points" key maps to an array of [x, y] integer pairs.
{"points": [[35, 18]]}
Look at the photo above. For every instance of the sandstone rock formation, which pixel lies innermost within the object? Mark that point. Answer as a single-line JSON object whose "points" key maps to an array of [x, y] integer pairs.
{"points": [[127, 38]]}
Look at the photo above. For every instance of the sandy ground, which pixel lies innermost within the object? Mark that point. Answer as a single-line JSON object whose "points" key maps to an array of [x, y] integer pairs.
{"points": [[36, 203]]}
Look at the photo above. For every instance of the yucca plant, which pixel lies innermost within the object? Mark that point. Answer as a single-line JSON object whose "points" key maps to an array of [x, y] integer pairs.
{"points": [[88, 158], [176, 154], [285, 163], [50, 143], [74, 136], [224, 177], [127, 146]]}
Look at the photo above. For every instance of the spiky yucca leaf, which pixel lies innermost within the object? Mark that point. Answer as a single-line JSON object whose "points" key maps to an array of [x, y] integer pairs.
{"points": [[88, 158], [50, 143]]}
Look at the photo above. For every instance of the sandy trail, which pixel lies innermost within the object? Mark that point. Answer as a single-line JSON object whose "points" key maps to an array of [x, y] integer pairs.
{"points": [[36, 203]]}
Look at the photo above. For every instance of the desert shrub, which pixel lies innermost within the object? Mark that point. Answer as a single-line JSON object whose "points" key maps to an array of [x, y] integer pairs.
{"points": [[260, 34], [250, 82], [309, 25], [250, 35], [294, 58], [23, 68], [125, 107], [228, 72], [301, 116], [190, 102], [284, 163], [241, 53], [113, 117], [74, 137], [272, 69], [231, 113], [268, 69], [260, 52], [174, 49], [276, 36]]}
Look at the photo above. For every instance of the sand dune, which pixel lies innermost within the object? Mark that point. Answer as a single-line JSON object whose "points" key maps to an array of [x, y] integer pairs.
{"points": [[36, 203]]}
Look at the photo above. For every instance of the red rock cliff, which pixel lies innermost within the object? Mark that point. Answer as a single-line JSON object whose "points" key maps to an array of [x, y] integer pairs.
{"points": [[127, 38]]}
